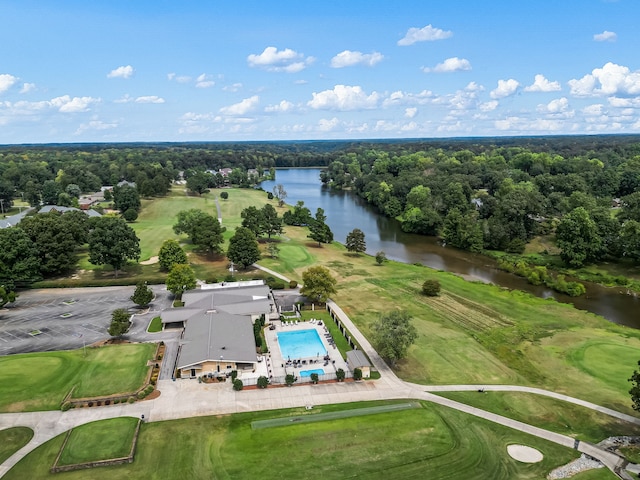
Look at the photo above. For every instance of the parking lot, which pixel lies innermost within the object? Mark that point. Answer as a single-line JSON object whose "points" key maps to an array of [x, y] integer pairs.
{"points": [[61, 319]]}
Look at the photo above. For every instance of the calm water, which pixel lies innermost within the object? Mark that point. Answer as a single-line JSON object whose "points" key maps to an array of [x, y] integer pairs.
{"points": [[346, 211]]}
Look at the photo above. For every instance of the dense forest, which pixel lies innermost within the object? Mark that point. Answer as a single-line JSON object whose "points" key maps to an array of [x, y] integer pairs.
{"points": [[584, 191]]}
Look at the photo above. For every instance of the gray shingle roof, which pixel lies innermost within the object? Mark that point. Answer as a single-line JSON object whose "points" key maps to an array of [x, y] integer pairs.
{"points": [[217, 336]]}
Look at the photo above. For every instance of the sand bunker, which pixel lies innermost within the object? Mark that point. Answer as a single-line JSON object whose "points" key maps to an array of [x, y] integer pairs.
{"points": [[151, 261], [524, 454]]}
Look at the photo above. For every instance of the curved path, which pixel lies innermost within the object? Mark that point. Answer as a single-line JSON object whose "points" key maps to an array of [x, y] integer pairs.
{"points": [[183, 399]]}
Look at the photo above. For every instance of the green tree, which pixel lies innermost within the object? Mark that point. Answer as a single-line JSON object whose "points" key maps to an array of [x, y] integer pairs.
{"points": [[319, 230], [180, 278], [119, 323], [6, 295], [318, 284], [171, 253], [198, 183], [126, 197], [462, 230], [393, 334], [578, 239], [253, 219], [381, 257], [271, 224], [57, 238], [635, 389], [243, 248], [357, 374], [289, 379], [355, 241], [19, 262], [112, 242], [224, 195], [431, 288], [263, 382], [630, 239], [130, 215], [340, 375], [203, 229], [50, 191], [142, 294]]}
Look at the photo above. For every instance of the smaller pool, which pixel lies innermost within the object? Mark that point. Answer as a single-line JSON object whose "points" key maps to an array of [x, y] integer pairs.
{"points": [[307, 373]]}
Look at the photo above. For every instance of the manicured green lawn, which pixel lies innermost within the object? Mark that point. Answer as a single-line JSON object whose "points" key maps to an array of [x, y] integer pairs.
{"points": [[99, 441], [476, 333], [544, 412], [40, 381], [430, 442], [12, 440], [155, 326]]}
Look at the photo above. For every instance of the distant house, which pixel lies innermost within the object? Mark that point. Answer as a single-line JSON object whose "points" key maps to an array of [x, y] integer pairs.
{"points": [[86, 201], [218, 327], [125, 183], [61, 209], [225, 172], [357, 359]]}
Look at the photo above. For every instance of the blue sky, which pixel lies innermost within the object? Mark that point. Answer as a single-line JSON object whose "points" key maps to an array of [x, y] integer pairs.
{"points": [[217, 70]]}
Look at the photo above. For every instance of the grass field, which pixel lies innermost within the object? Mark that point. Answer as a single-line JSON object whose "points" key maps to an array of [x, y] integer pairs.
{"points": [[40, 381], [12, 440], [429, 442], [99, 441], [548, 413], [476, 333]]}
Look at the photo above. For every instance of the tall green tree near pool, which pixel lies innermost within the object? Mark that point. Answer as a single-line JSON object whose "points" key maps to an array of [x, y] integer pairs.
{"points": [[181, 278], [112, 242], [318, 284], [393, 334], [243, 248], [355, 241], [170, 254]]}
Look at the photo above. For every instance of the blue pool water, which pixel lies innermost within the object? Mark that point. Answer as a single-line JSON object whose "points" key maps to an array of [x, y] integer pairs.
{"points": [[300, 344], [307, 373]]}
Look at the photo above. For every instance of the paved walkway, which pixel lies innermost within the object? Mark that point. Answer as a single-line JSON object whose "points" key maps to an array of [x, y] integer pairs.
{"points": [[185, 398]]}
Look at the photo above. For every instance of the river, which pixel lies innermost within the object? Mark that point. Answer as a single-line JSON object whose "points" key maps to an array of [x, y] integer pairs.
{"points": [[346, 211]]}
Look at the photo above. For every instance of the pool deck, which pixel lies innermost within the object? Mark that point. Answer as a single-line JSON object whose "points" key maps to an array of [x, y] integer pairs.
{"points": [[277, 365]]}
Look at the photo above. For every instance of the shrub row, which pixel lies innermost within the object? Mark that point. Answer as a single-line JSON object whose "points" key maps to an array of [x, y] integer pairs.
{"points": [[538, 275]]}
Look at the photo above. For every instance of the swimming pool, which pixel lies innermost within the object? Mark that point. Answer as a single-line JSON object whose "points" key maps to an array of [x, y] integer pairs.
{"points": [[301, 344], [307, 373]]}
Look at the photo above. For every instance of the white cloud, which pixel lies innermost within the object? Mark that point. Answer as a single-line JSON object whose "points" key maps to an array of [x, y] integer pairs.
{"points": [[149, 99], [325, 125], [349, 58], [410, 112], [424, 34], [121, 72], [242, 108], [27, 87], [453, 64], [505, 88], [541, 84], [7, 81], [488, 106], [232, 88], [611, 79], [204, 81], [605, 36], [283, 107], [594, 110], [404, 98], [624, 102], [96, 125], [557, 107], [274, 60], [66, 104], [344, 97]]}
